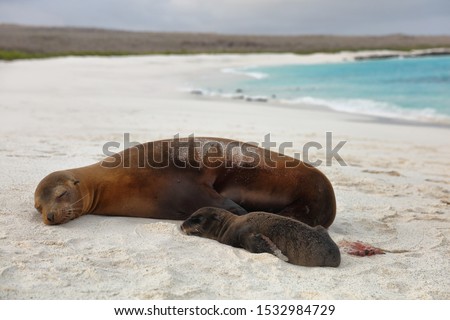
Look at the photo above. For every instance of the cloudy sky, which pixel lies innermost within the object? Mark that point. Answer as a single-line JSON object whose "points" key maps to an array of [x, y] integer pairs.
{"points": [[347, 17]]}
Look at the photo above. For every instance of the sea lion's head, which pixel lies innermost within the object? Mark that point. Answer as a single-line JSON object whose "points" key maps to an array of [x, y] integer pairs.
{"points": [[205, 222], [58, 198]]}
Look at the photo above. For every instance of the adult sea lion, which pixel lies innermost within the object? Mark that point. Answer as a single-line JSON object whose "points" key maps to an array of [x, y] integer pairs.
{"points": [[289, 239], [171, 179]]}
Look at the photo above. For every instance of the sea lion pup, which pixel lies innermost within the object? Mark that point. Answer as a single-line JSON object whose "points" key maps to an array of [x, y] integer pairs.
{"points": [[288, 239], [171, 179]]}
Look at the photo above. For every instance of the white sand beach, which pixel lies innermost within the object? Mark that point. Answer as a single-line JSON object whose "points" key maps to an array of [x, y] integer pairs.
{"points": [[58, 113]]}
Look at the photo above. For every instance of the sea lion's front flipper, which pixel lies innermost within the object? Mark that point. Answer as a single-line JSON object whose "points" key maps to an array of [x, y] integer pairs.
{"points": [[233, 207], [259, 243], [206, 196]]}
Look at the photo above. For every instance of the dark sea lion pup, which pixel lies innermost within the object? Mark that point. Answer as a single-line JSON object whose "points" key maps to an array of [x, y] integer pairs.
{"points": [[288, 239]]}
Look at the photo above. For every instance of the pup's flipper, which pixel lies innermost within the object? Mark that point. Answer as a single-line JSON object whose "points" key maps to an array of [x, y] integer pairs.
{"points": [[259, 243]]}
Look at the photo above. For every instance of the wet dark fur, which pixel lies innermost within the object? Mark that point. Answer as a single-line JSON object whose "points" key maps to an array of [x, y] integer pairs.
{"points": [[290, 240]]}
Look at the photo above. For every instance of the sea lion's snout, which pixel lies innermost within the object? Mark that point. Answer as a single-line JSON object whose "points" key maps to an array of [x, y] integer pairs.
{"points": [[51, 217], [193, 224], [58, 198], [188, 228]]}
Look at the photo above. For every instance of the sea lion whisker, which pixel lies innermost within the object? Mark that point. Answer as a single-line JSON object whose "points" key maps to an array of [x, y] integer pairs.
{"points": [[67, 210], [79, 199]]}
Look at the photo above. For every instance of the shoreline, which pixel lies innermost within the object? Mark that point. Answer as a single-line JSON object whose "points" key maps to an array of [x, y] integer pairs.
{"points": [[256, 100], [392, 193], [237, 72]]}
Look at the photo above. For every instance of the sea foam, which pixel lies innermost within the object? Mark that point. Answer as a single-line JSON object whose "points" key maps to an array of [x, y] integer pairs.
{"points": [[374, 108], [244, 72]]}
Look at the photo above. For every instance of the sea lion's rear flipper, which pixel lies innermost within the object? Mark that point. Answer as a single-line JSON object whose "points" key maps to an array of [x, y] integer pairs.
{"points": [[259, 243]]}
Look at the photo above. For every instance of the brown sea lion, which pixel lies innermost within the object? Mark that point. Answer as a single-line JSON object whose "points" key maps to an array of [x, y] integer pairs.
{"points": [[288, 239], [171, 179]]}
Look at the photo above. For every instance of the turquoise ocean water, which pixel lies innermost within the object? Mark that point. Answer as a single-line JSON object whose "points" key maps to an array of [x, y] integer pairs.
{"points": [[409, 88]]}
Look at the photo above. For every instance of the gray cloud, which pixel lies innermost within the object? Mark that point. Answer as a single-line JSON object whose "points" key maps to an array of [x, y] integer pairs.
{"points": [[238, 16]]}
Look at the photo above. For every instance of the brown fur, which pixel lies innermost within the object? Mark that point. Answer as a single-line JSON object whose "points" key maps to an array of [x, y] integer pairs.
{"points": [[291, 240], [126, 184]]}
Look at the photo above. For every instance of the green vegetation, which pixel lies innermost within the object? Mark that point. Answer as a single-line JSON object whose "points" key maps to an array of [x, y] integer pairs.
{"points": [[8, 55], [13, 55], [16, 55]]}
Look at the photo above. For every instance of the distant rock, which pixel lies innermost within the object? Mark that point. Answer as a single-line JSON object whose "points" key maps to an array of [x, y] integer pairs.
{"points": [[257, 99], [197, 92]]}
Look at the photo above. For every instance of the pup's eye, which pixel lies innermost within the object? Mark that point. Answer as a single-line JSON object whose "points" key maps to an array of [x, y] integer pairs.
{"points": [[61, 195], [196, 219], [76, 182]]}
